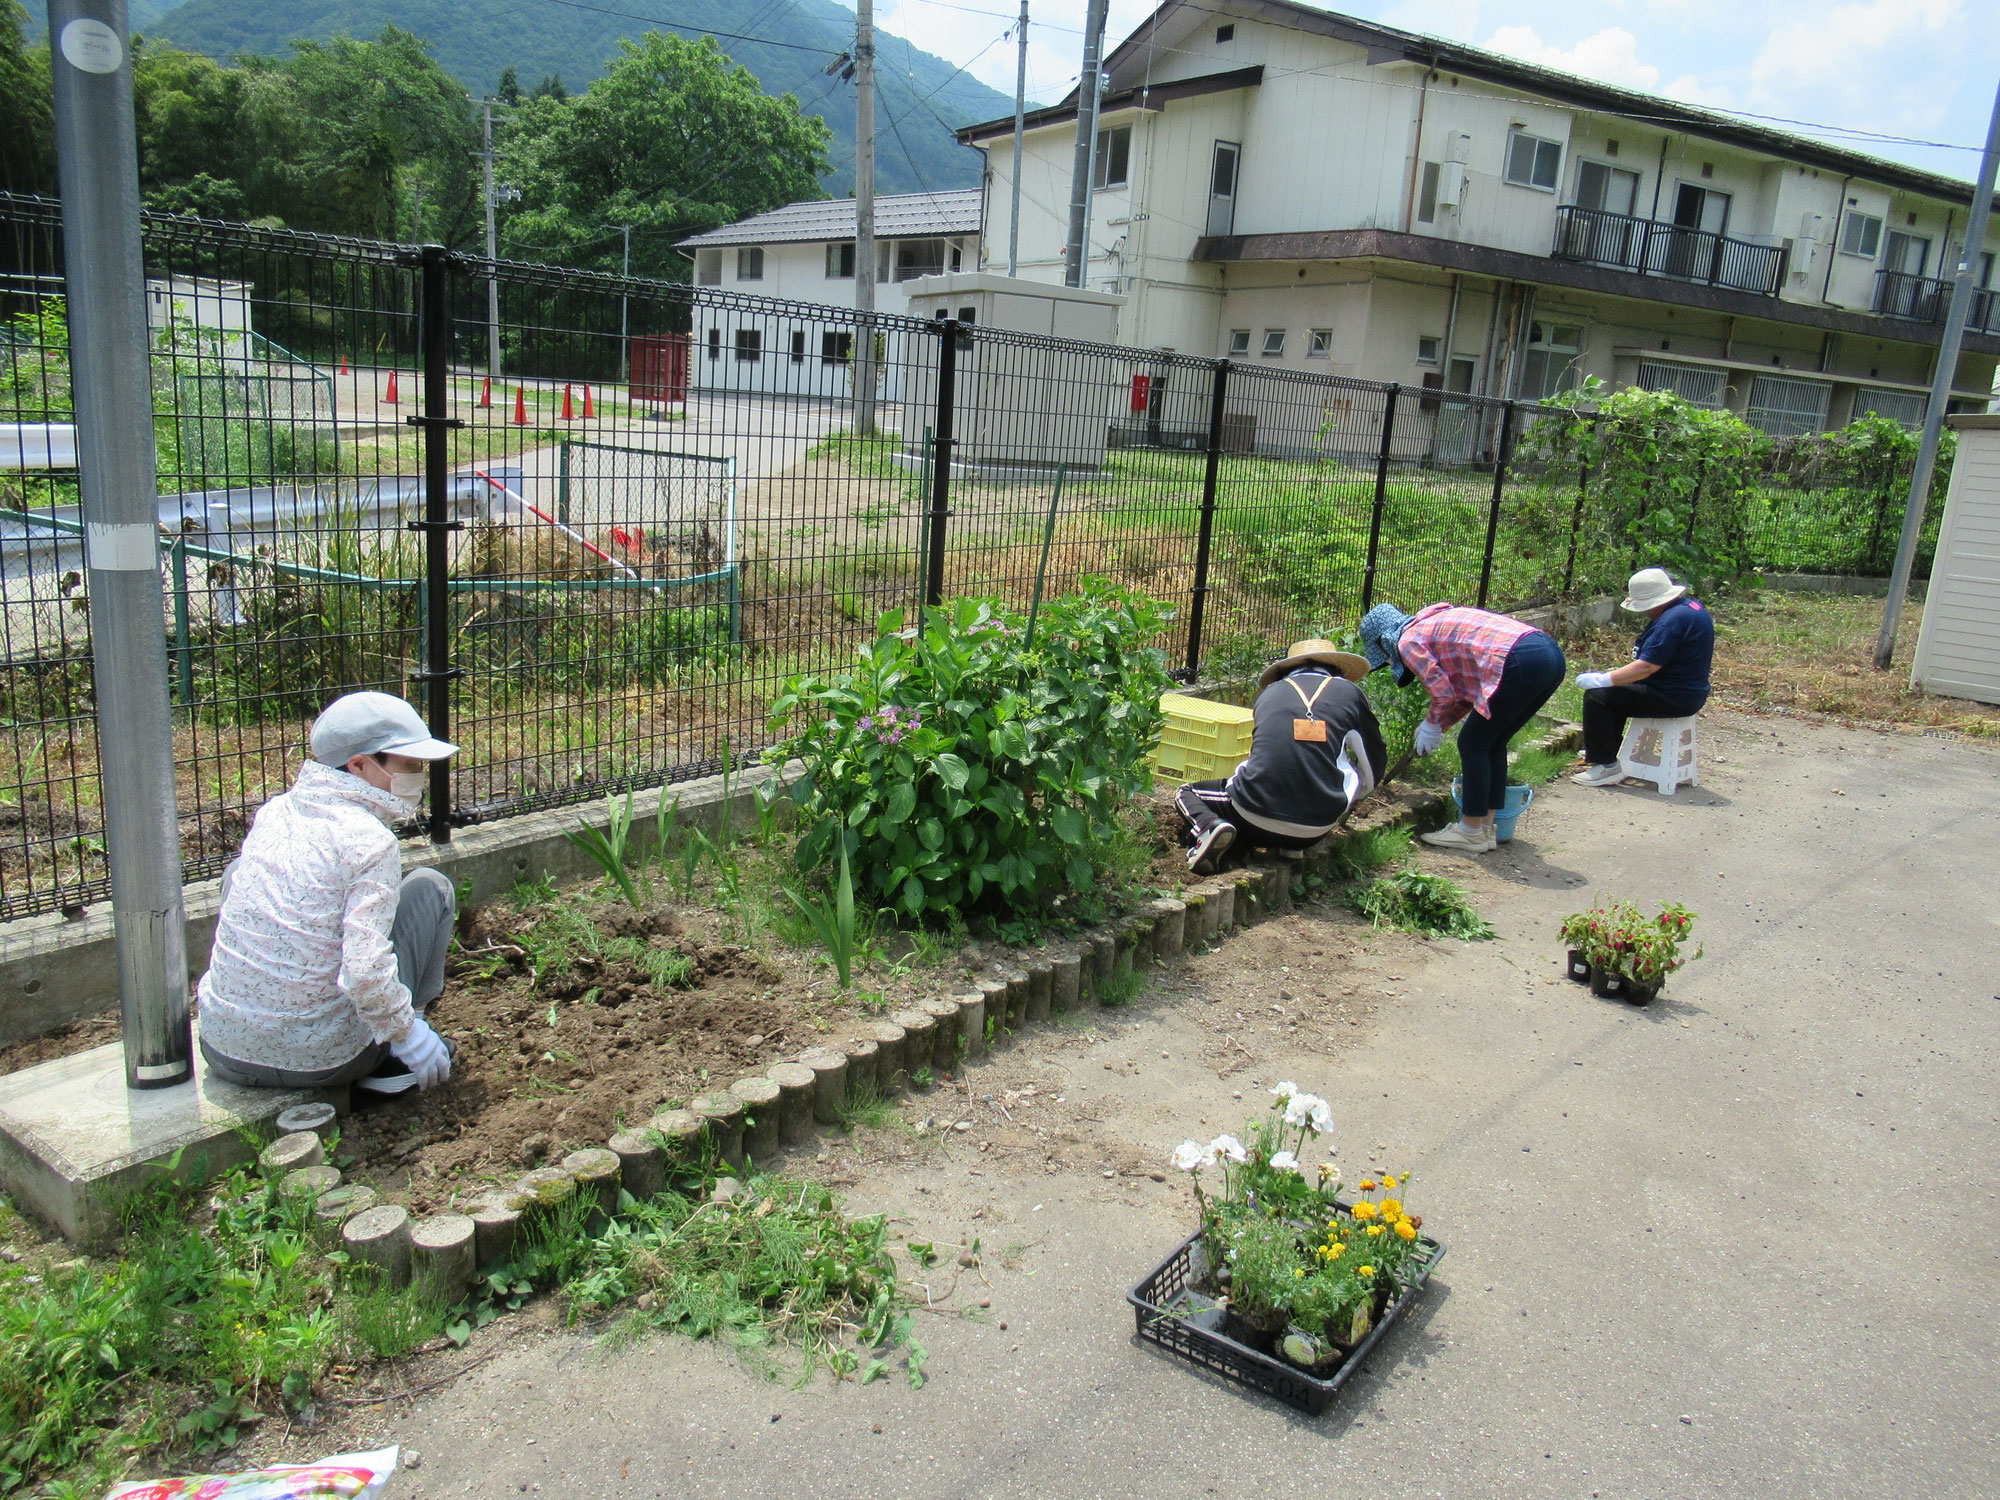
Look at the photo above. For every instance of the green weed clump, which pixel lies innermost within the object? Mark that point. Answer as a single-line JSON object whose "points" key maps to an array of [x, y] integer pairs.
{"points": [[1428, 905], [1356, 856]]}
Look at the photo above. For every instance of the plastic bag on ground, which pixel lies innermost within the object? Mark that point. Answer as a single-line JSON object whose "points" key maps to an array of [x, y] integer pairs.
{"points": [[346, 1476]]}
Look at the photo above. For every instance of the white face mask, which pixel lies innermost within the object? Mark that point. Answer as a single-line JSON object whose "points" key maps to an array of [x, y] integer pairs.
{"points": [[409, 785]]}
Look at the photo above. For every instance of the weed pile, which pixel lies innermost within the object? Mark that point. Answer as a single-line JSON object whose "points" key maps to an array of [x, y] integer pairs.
{"points": [[1428, 905]]}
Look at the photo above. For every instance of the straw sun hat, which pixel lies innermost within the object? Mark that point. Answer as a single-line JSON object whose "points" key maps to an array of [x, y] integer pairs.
{"points": [[1318, 652]]}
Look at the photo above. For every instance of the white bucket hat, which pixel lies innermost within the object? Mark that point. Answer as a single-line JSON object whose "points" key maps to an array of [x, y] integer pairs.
{"points": [[1649, 588]]}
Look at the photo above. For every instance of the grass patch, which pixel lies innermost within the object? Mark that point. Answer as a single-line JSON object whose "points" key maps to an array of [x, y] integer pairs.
{"points": [[1122, 988], [1428, 905], [1356, 856]]}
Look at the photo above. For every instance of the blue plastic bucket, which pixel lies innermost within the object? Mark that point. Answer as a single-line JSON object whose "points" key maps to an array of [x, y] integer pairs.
{"points": [[1507, 814]]}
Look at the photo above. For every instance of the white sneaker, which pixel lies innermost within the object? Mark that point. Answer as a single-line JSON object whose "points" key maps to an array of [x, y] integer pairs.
{"points": [[1609, 775], [1464, 840]]}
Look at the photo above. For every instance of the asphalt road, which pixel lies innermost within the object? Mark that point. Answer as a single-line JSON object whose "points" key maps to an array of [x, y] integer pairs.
{"points": [[1741, 1242]]}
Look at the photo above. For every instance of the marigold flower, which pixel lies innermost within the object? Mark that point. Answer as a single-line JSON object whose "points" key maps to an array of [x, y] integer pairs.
{"points": [[1406, 1230], [1388, 1180], [1392, 1208], [1374, 1229], [1365, 1211], [1367, 1184], [1366, 1270]]}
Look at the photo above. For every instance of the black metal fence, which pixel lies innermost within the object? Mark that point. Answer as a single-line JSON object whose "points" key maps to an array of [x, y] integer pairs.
{"points": [[591, 524]]}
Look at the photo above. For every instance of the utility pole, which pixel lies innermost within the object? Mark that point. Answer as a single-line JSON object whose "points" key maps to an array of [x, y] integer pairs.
{"points": [[1941, 378], [105, 279], [1020, 129], [492, 248], [1075, 253], [864, 218], [624, 312]]}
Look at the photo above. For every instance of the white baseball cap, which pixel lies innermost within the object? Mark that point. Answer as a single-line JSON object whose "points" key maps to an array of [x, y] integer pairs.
{"points": [[373, 724]]}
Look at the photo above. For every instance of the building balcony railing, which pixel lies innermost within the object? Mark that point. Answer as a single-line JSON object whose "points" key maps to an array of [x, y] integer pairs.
{"points": [[1926, 299], [1649, 248]]}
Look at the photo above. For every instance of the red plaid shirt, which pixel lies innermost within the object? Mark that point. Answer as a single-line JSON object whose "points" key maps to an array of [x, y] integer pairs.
{"points": [[1459, 654]]}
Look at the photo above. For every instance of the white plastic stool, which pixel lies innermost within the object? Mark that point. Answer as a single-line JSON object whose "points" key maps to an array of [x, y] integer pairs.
{"points": [[1661, 751]]}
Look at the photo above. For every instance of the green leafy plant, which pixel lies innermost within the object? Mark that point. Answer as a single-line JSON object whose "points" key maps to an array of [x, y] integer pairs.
{"points": [[1414, 901], [607, 847], [1617, 937], [968, 770], [832, 917]]}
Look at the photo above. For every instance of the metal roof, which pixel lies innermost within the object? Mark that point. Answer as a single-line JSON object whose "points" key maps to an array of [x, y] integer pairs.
{"points": [[897, 216]]}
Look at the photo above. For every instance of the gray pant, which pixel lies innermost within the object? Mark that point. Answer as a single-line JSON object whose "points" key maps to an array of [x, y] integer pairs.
{"points": [[421, 936]]}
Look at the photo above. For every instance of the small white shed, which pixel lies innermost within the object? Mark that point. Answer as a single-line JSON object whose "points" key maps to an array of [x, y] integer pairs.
{"points": [[1958, 649]]}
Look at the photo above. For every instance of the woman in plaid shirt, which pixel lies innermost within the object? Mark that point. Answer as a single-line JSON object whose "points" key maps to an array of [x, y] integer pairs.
{"points": [[1486, 669]]}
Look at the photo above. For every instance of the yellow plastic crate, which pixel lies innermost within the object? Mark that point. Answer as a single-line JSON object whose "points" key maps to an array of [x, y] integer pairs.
{"points": [[1201, 741]]}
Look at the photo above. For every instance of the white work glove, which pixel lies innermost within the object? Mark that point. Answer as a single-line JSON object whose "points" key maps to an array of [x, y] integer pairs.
{"points": [[423, 1052], [1588, 680], [1429, 737]]}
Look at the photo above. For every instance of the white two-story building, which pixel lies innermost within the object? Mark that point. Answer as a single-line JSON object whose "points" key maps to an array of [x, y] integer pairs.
{"points": [[1300, 190]]}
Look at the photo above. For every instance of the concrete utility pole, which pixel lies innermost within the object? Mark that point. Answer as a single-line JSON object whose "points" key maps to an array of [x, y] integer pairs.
{"points": [[1076, 251], [110, 371], [864, 218], [625, 310], [1947, 367], [1020, 129], [492, 248]]}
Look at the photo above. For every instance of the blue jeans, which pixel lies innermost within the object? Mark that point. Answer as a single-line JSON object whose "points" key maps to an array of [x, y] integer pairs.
{"points": [[1533, 672]]}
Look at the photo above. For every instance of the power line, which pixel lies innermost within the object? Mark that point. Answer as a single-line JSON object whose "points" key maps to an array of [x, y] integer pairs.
{"points": [[680, 26]]}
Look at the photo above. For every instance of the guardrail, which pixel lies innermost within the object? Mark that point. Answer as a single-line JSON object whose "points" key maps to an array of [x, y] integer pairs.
{"points": [[1598, 238]]}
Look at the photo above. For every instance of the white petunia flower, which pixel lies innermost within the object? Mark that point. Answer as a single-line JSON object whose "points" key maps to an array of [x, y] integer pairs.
{"points": [[1188, 1156], [1285, 1090], [1284, 1161], [1299, 1107], [1322, 1117], [1228, 1146]]}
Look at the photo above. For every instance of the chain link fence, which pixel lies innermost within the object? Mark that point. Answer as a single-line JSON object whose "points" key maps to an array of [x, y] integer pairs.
{"points": [[593, 534]]}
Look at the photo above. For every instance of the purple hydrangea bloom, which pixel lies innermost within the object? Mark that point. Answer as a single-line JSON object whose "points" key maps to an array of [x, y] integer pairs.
{"points": [[867, 722]]}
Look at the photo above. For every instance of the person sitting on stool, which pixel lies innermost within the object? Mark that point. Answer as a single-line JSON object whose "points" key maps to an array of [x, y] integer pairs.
{"points": [[326, 955], [1667, 677], [1315, 751]]}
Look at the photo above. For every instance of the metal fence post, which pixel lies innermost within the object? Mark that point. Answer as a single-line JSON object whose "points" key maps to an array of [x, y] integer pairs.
{"points": [[941, 443], [1575, 528], [1499, 483], [105, 279], [1198, 607], [1381, 494], [436, 527]]}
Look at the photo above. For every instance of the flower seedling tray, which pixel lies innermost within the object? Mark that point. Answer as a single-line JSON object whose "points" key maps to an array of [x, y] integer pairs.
{"points": [[1170, 1312]]}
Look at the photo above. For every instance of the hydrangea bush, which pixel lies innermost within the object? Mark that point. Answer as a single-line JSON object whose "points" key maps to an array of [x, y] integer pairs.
{"points": [[1290, 1257], [963, 768]]}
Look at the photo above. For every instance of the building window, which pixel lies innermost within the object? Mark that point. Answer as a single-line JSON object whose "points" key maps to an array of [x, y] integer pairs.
{"points": [[916, 258], [749, 345], [1906, 408], [957, 255], [1274, 343], [1114, 156], [836, 348], [1908, 253], [840, 262], [1861, 234], [715, 343], [1239, 341], [1225, 33], [1782, 408], [1427, 197], [1532, 161], [798, 346], [708, 267], [1699, 385], [1427, 349], [750, 263], [1548, 364], [1319, 344]]}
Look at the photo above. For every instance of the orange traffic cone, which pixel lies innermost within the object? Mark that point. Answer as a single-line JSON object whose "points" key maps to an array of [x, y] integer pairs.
{"points": [[567, 413], [486, 391], [520, 408], [390, 399], [588, 410], [343, 364]]}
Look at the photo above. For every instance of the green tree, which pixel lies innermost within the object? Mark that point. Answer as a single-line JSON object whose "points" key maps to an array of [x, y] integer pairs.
{"points": [[673, 139], [27, 118], [508, 90], [551, 87], [189, 114]]}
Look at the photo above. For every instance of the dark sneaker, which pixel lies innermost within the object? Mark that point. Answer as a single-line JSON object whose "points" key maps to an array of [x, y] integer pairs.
{"points": [[1209, 847]]}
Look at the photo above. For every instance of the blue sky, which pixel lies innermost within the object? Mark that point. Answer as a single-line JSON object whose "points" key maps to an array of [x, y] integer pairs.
{"points": [[1923, 69]]}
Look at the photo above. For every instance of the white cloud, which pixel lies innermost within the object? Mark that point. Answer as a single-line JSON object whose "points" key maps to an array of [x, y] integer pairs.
{"points": [[1610, 56]]}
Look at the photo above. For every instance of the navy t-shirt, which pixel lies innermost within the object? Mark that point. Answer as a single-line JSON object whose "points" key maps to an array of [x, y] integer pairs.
{"points": [[1681, 642]]}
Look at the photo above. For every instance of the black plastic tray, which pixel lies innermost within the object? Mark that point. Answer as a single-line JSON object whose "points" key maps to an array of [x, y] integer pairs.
{"points": [[1171, 1286]]}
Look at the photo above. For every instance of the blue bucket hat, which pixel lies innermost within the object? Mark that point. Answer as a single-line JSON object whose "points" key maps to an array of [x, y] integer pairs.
{"points": [[1381, 628]]}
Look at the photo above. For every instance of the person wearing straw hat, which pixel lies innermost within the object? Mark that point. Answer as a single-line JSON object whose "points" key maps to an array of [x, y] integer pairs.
{"points": [[1315, 751], [1493, 672], [326, 955], [1667, 677]]}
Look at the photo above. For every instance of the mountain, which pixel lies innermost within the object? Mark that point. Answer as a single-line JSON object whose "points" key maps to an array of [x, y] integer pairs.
{"points": [[919, 98]]}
